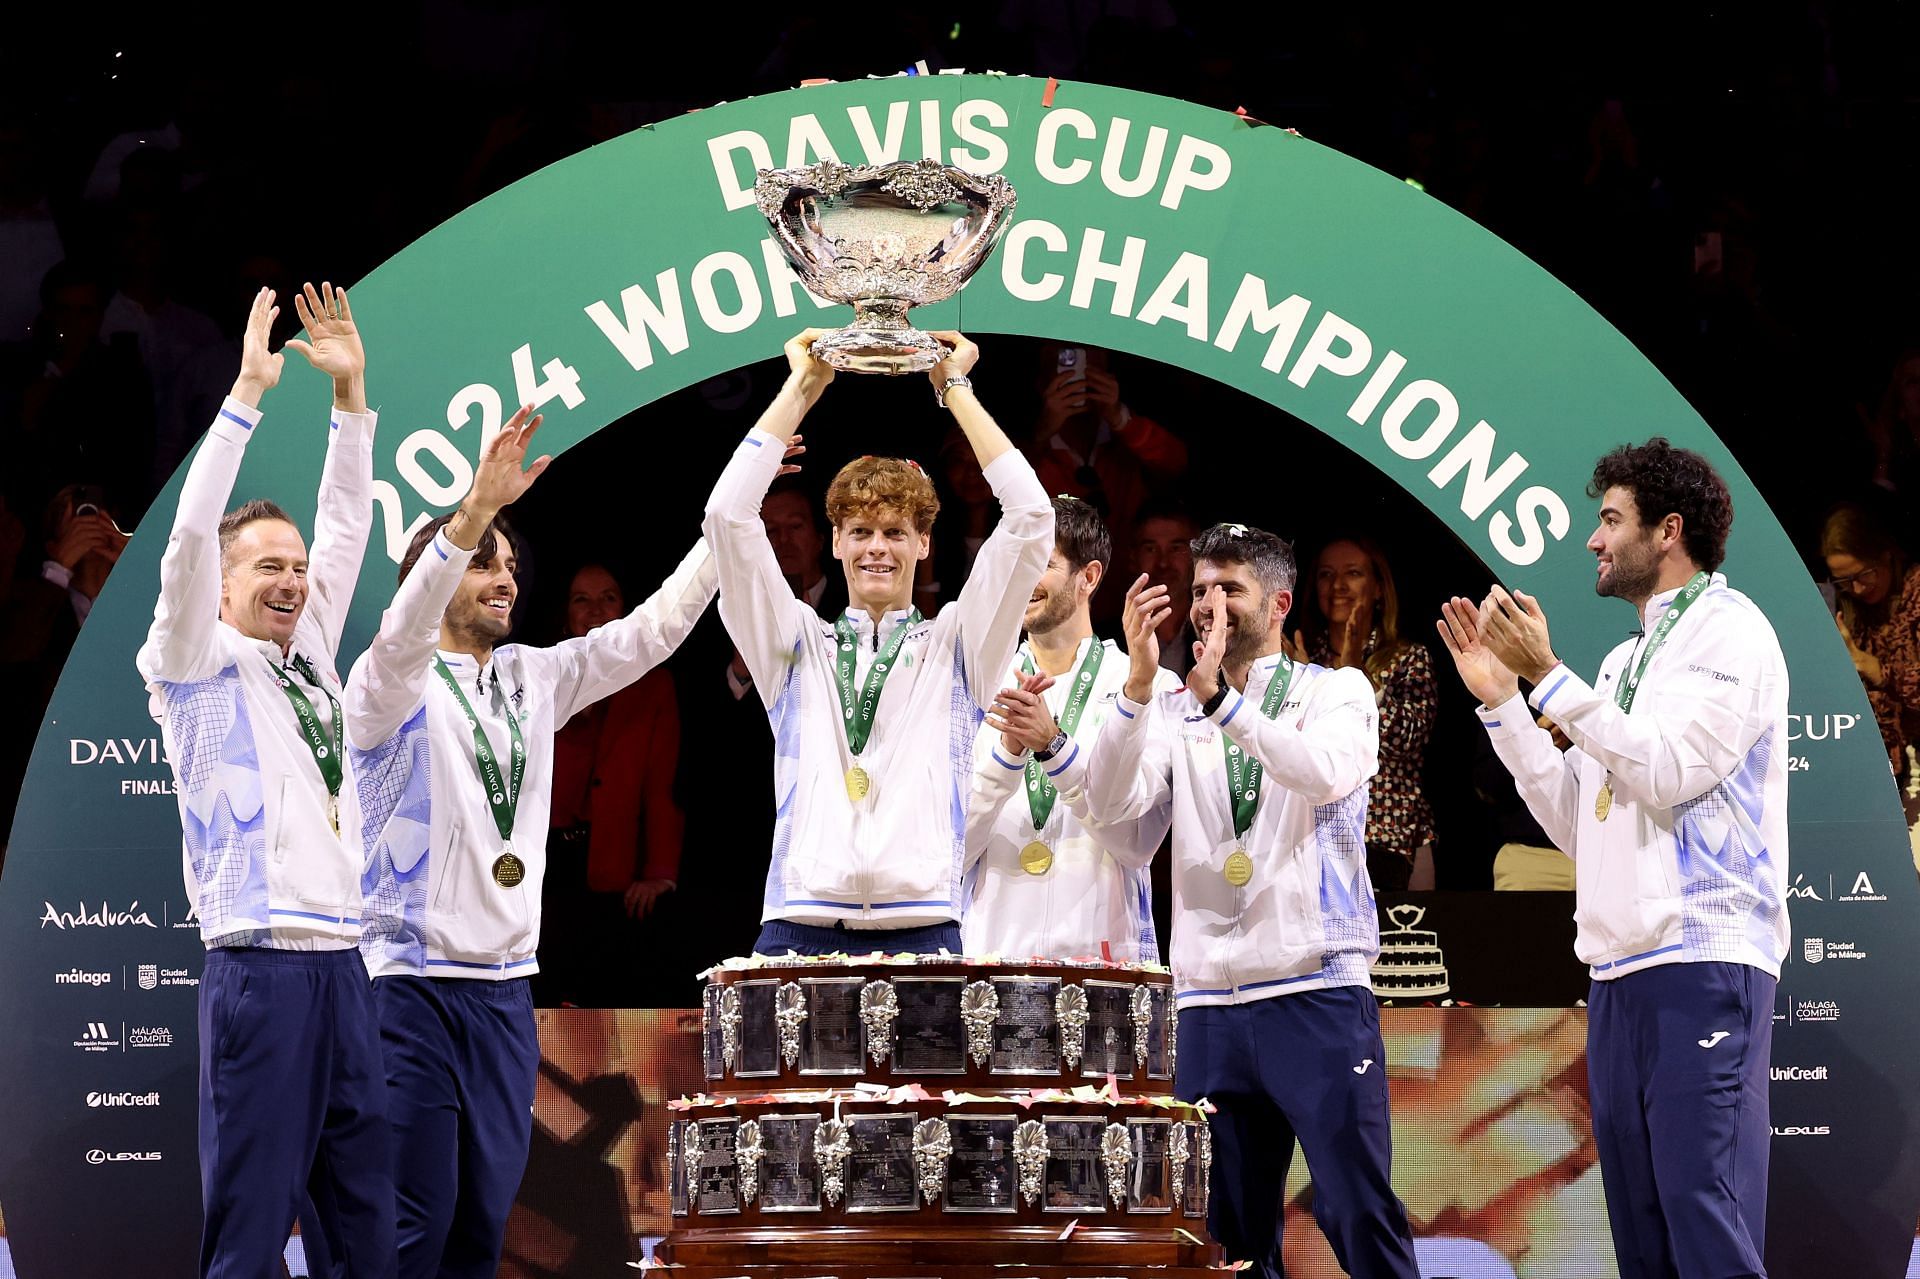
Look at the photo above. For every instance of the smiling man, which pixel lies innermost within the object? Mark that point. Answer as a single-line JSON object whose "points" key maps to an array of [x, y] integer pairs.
{"points": [[240, 665], [1260, 765], [1039, 881], [874, 716], [1672, 802], [451, 731]]}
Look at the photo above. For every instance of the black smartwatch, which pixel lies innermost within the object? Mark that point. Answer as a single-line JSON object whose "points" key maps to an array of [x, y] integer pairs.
{"points": [[1054, 747], [1212, 704]]}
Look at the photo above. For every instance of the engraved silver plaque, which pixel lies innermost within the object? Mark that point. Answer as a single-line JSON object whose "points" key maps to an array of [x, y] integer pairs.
{"points": [[712, 1048], [715, 1179], [759, 1052], [789, 1180], [930, 1037], [830, 1044], [1109, 1042], [1177, 1165], [981, 1173], [880, 1169], [1075, 1180], [1026, 1036], [1150, 1178], [1162, 1020]]}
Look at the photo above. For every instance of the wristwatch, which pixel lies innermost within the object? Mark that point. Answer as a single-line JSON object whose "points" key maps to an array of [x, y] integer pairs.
{"points": [[1212, 704], [940, 396], [1054, 747]]}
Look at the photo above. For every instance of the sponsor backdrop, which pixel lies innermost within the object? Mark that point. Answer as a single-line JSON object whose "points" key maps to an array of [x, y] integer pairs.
{"points": [[1444, 359]]}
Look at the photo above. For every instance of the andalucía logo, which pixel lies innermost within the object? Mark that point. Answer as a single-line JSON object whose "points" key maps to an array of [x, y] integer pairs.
{"points": [[1862, 891], [105, 917], [95, 1100], [1802, 889]]}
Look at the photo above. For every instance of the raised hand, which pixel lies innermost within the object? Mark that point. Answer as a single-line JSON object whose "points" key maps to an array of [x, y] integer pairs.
{"points": [[807, 373], [336, 349], [1140, 617], [259, 367], [959, 360], [1514, 627], [1485, 676], [1021, 716], [1203, 680], [499, 480], [794, 449]]}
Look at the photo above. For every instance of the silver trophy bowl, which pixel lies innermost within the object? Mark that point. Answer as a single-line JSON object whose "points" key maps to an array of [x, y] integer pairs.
{"points": [[883, 238]]}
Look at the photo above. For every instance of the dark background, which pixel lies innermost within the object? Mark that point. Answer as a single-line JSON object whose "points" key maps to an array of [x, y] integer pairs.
{"points": [[1730, 185]]}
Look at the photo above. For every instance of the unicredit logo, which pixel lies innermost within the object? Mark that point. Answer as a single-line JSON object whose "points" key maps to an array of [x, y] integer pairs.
{"points": [[1794, 1074], [97, 1099], [97, 1156]]}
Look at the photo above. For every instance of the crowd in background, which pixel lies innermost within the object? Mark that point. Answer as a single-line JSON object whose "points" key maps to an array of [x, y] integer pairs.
{"points": [[1722, 186]]}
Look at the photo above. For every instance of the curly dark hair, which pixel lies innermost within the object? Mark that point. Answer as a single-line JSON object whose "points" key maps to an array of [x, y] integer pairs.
{"points": [[1665, 480]]}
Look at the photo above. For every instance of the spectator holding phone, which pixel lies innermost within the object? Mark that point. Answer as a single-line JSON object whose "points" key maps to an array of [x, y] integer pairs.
{"points": [[1088, 444]]}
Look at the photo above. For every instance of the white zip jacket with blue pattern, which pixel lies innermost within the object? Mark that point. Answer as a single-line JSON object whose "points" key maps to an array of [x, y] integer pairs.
{"points": [[1090, 893], [1690, 862], [433, 905], [1305, 919], [895, 859], [262, 864]]}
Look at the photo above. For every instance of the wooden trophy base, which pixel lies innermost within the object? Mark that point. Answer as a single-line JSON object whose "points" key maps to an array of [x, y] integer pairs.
{"points": [[940, 1252]]}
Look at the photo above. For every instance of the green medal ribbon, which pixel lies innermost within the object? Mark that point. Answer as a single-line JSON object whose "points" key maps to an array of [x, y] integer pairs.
{"points": [[326, 753], [1243, 770], [1040, 789], [505, 795], [859, 715], [1684, 600]]}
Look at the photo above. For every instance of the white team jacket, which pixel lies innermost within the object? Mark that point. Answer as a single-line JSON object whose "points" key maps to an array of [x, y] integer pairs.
{"points": [[1691, 861], [263, 866], [1306, 919], [895, 859], [1091, 893], [433, 907]]}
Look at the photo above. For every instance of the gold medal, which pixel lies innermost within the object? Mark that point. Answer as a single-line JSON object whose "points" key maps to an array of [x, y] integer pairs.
{"points": [[858, 783], [508, 870], [1603, 802], [333, 813], [1239, 869], [1036, 858]]}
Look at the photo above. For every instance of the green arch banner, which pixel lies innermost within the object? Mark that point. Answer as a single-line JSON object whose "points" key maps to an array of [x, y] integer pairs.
{"points": [[1360, 306]]}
